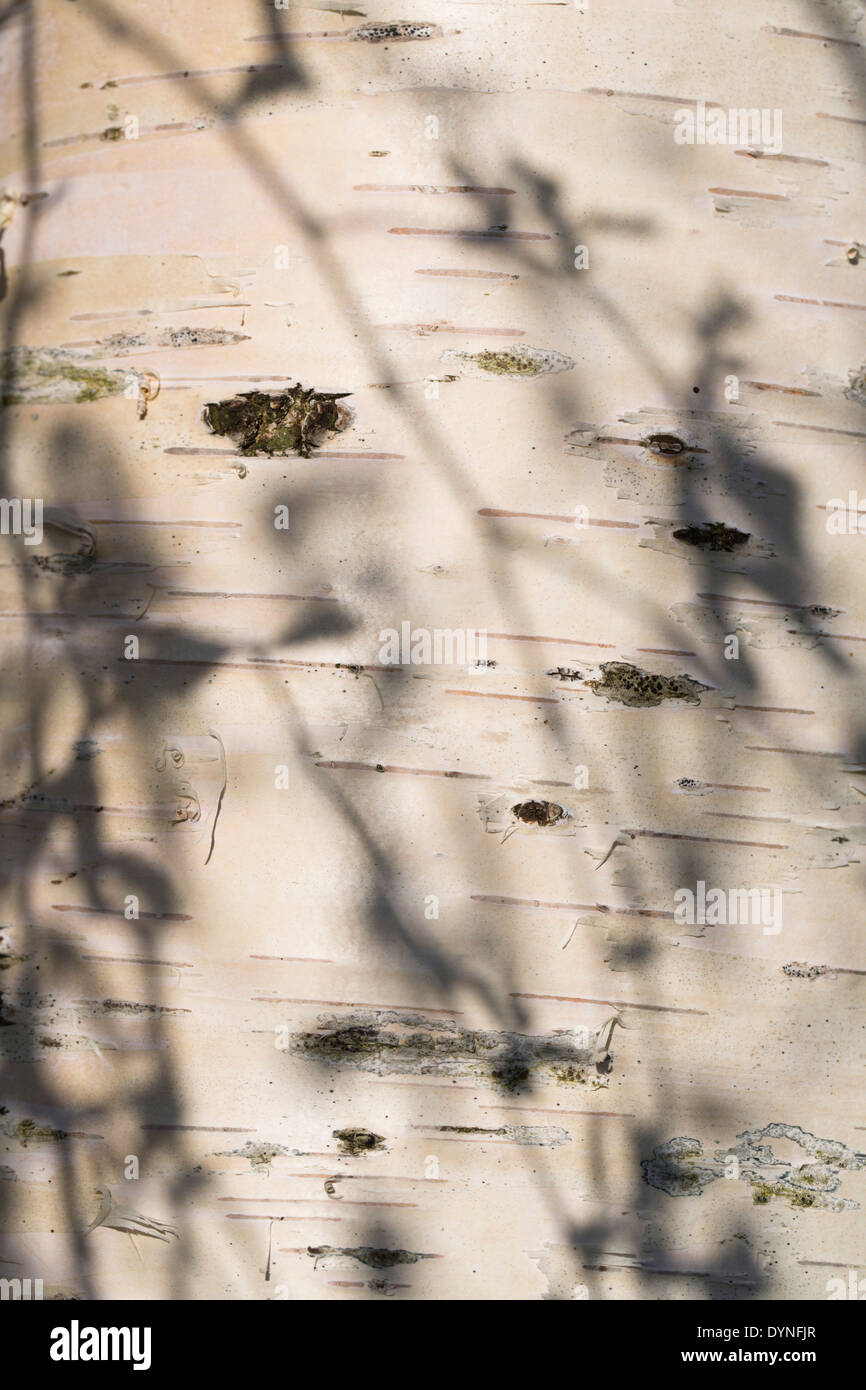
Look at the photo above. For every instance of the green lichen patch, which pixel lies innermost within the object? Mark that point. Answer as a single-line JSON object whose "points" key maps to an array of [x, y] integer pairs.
{"points": [[797, 1196], [762, 1192], [289, 422], [629, 685], [521, 362], [680, 1168], [48, 376], [356, 1142], [469, 1129], [8, 959], [28, 1132], [66, 565], [712, 535]]}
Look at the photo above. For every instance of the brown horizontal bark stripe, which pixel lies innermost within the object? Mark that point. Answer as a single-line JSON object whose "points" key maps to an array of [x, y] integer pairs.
{"points": [[750, 193], [353, 1004], [618, 1003], [760, 602], [111, 912], [820, 303], [470, 274], [786, 33], [554, 516], [498, 695], [570, 907], [470, 232], [405, 771], [558, 641], [700, 839], [428, 188]]}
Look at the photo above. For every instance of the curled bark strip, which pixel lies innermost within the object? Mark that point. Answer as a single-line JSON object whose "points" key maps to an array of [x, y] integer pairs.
{"points": [[148, 390], [219, 804]]}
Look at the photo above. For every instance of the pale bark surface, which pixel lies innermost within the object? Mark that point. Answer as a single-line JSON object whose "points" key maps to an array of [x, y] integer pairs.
{"points": [[342, 924]]}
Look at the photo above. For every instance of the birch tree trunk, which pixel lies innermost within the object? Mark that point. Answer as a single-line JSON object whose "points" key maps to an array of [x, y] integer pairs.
{"points": [[434, 762]]}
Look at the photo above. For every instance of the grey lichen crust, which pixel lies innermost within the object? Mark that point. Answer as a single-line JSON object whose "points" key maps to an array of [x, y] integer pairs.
{"points": [[386, 1042], [681, 1169], [396, 32], [629, 685]]}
